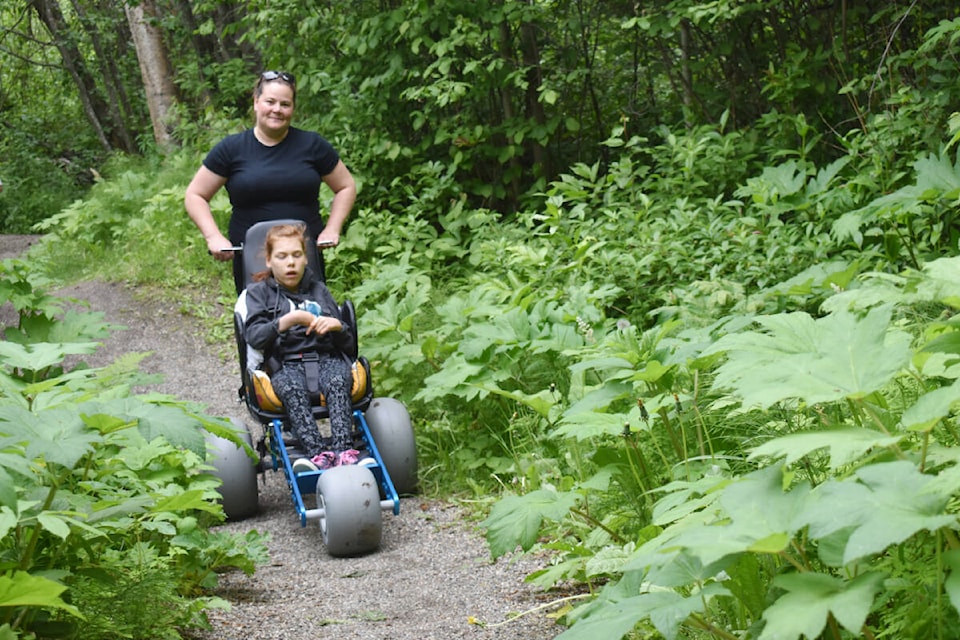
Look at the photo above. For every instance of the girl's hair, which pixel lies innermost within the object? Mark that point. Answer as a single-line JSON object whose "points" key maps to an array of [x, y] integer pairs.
{"points": [[276, 232]]}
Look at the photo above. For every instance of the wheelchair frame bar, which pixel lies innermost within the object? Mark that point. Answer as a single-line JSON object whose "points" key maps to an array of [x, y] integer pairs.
{"points": [[306, 483]]}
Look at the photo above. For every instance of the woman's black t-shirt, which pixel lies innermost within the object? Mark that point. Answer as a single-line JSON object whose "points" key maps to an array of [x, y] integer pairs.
{"points": [[267, 183]]}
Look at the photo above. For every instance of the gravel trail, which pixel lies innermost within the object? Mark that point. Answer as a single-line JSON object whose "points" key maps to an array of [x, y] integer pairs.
{"points": [[432, 577]]}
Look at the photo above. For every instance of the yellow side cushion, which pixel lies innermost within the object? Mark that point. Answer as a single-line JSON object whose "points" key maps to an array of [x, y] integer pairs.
{"points": [[267, 398]]}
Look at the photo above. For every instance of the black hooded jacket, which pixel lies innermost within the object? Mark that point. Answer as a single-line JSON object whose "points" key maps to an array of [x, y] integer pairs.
{"points": [[267, 301]]}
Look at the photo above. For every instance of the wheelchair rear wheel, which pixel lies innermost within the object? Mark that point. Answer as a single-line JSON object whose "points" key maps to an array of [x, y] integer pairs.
{"points": [[351, 522], [237, 473], [392, 432]]}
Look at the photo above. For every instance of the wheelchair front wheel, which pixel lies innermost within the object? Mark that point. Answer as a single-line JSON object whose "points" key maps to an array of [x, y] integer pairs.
{"points": [[351, 522]]}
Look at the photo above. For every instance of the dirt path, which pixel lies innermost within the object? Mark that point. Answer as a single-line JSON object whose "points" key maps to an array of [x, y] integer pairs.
{"points": [[431, 578]]}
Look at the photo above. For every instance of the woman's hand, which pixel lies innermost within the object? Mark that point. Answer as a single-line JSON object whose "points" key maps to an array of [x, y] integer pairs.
{"points": [[216, 244], [327, 240]]}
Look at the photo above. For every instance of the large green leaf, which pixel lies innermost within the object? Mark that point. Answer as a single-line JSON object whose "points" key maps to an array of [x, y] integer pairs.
{"points": [[937, 281], [40, 355], [686, 496], [455, 374], [615, 619], [515, 520], [758, 506], [57, 435], [72, 326], [158, 417], [751, 514], [590, 416], [931, 407], [666, 609], [8, 520], [24, 590], [952, 584], [542, 402], [937, 176], [845, 445], [811, 597], [185, 501], [944, 343], [815, 360], [940, 282], [8, 490], [883, 505], [589, 424]]}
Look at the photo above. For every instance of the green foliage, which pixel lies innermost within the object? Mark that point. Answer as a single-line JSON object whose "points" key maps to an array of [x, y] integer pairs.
{"points": [[823, 360], [890, 220], [878, 455], [631, 361], [138, 220], [33, 188], [712, 368], [518, 518], [105, 499]]}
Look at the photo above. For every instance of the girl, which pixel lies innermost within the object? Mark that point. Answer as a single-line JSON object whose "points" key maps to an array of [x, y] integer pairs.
{"points": [[293, 318]]}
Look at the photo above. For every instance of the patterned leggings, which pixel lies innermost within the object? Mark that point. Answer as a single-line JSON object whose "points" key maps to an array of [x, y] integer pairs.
{"points": [[336, 379]]}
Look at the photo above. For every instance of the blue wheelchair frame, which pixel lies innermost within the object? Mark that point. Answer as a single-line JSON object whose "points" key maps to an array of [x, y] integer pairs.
{"points": [[306, 483]]}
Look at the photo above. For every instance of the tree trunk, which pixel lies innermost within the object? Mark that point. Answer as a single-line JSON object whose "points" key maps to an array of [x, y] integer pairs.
{"points": [[112, 81], [93, 105], [534, 73], [686, 77], [158, 85]]}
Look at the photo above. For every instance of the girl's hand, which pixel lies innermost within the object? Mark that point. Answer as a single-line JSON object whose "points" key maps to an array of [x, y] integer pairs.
{"points": [[295, 317], [323, 324]]}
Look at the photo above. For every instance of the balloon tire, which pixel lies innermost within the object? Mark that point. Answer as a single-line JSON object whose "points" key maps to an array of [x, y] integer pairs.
{"points": [[392, 432], [351, 522]]}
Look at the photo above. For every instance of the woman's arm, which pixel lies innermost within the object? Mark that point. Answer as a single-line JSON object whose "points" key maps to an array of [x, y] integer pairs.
{"points": [[344, 188], [196, 201]]}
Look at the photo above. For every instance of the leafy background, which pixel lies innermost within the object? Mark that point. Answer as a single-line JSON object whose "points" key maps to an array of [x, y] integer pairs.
{"points": [[670, 291]]}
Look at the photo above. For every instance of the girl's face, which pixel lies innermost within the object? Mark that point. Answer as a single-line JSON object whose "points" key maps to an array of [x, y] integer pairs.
{"points": [[287, 262], [274, 107]]}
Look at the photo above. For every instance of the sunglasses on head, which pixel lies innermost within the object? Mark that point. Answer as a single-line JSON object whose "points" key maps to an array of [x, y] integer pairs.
{"points": [[268, 76]]}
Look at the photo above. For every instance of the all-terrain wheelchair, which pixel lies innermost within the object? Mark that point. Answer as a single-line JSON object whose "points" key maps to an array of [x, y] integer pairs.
{"points": [[349, 499]]}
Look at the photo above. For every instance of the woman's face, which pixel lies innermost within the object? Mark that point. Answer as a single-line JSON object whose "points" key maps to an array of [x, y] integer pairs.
{"points": [[274, 107], [287, 262]]}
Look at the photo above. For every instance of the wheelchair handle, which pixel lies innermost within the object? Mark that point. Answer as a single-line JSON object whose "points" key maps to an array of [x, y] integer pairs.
{"points": [[234, 249], [325, 243]]}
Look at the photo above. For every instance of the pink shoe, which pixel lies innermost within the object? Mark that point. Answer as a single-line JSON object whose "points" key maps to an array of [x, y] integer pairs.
{"points": [[325, 460], [350, 456]]}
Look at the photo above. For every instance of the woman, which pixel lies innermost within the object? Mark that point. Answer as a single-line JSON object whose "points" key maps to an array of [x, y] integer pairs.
{"points": [[294, 320], [271, 171]]}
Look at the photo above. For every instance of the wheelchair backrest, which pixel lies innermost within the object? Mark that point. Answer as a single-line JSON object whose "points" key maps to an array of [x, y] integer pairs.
{"points": [[254, 258]]}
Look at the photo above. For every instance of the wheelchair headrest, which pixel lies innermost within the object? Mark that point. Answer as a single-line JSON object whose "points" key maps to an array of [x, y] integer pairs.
{"points": [[254, 259]]}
